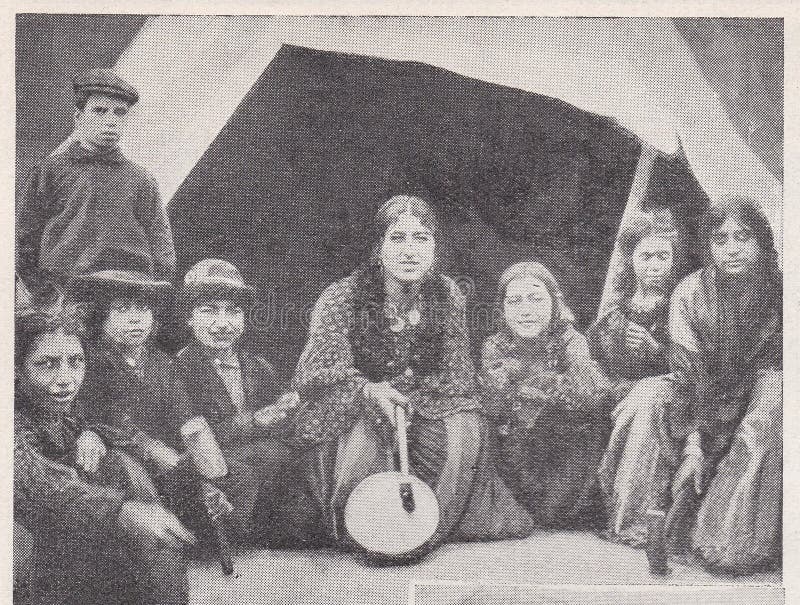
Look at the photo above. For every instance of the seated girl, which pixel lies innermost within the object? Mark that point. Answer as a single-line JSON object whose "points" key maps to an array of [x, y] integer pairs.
{"points": [[724, 423], [394, 333], [128, 377], [629, 340], [234, 400], [540, 380]]}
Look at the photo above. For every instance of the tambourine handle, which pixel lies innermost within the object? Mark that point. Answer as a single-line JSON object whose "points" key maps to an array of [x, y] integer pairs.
{"points": [[402, 437], [406, 491]]}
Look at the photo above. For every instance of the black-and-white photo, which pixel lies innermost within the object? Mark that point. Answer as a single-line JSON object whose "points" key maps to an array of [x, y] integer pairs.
{"points": [[311, 308]]}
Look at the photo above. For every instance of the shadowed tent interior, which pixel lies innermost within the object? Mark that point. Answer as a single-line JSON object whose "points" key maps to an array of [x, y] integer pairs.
{"points": [[288, 188]]}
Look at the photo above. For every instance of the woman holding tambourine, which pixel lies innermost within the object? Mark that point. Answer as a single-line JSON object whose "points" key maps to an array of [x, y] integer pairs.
{"points": [[393, 335]]}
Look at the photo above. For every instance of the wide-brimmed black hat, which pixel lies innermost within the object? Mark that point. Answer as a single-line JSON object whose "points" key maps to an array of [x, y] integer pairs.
{"points": [[113, 283]]}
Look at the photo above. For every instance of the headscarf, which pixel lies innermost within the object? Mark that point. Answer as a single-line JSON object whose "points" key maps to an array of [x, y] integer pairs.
{"points": [[562, 315]]}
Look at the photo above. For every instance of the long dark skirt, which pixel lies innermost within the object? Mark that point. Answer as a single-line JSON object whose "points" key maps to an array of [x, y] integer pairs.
{"points": [[452, 455], [737, 525], [552, 469]]}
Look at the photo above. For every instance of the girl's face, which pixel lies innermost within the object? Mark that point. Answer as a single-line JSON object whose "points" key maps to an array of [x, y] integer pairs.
{"points": [[734, 248], [527, 306], [129, 322], [652, 261], [53, 371], [217, 324], [408, 248]]}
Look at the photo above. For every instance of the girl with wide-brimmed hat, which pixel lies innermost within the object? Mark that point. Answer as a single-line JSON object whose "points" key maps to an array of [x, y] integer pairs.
{"points": [[128, 377]]}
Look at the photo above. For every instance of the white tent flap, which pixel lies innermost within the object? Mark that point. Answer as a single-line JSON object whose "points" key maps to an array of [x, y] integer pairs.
{"points": [[194, 71]]}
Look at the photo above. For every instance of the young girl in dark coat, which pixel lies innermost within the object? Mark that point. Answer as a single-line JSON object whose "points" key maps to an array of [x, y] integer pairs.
{"points": [[128, 384], [550, 398]]}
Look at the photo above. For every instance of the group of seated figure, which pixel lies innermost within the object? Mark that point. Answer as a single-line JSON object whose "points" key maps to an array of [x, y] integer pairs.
{"points": [[669, 406]]}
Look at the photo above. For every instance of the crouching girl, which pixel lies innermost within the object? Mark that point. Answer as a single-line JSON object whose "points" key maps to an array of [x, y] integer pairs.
{"points": [[128, 380], [551, 399]]}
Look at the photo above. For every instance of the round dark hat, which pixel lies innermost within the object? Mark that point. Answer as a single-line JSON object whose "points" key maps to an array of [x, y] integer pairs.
{"points": [[214, 278], [106, 82]]}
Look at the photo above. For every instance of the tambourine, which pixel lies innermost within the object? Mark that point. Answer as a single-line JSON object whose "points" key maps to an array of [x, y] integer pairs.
{"points": [[393, 515]]}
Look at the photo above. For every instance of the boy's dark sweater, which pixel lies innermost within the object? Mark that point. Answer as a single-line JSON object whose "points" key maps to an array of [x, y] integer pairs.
{"points": [[82, 209]]}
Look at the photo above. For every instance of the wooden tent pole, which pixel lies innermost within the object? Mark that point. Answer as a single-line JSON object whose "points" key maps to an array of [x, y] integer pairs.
{"points": [[635, 203]]}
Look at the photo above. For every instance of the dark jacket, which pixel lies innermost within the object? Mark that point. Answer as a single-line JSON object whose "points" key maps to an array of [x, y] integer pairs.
{"points": [[47, 490], [82, 553], [203, 392], [113, 390], [81, 208]]}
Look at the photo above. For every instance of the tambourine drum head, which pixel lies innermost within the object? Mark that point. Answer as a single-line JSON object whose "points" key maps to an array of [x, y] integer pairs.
{"points": [[375, 518]]}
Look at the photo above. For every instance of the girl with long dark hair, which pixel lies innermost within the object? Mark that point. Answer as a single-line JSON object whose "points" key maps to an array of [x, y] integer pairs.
{"points": [[724, 423], [629, 339], [541, 383]]}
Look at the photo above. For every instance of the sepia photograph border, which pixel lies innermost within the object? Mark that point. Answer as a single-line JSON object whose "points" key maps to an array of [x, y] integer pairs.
{"points": [[601, 8]]}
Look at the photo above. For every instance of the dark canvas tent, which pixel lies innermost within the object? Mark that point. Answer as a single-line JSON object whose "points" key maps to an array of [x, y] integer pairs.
{"points": [[275, 139]]}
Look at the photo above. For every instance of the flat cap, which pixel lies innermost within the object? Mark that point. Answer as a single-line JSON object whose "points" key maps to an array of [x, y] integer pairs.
{"points": [[105, 82]]}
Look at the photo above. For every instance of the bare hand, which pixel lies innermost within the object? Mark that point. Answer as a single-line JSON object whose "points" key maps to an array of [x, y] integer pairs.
{"points": [[89, 450], [691, 471], [271, 414], [164, 457], [385, 397], [141, 520], [638, 338]]}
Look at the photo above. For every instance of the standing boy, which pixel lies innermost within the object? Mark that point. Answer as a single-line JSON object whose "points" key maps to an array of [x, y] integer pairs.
{"points": [[87, 202]]}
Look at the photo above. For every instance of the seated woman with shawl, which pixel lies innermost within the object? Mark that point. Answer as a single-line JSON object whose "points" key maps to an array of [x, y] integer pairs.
{"points": [[724, 422], [394, 333], [629, 340], [540, 379]]}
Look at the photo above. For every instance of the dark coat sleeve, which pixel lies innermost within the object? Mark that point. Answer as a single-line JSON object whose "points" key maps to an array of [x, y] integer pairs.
{"points": [[155, 220], [47, 492], [34, 209], [259, 381]]}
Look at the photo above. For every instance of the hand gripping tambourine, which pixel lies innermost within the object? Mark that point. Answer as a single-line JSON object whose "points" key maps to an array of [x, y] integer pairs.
{"points": [[393, 515]]}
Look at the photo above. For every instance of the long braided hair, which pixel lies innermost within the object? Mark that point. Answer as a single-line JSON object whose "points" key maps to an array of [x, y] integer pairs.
{"points": [[374, 344]]}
